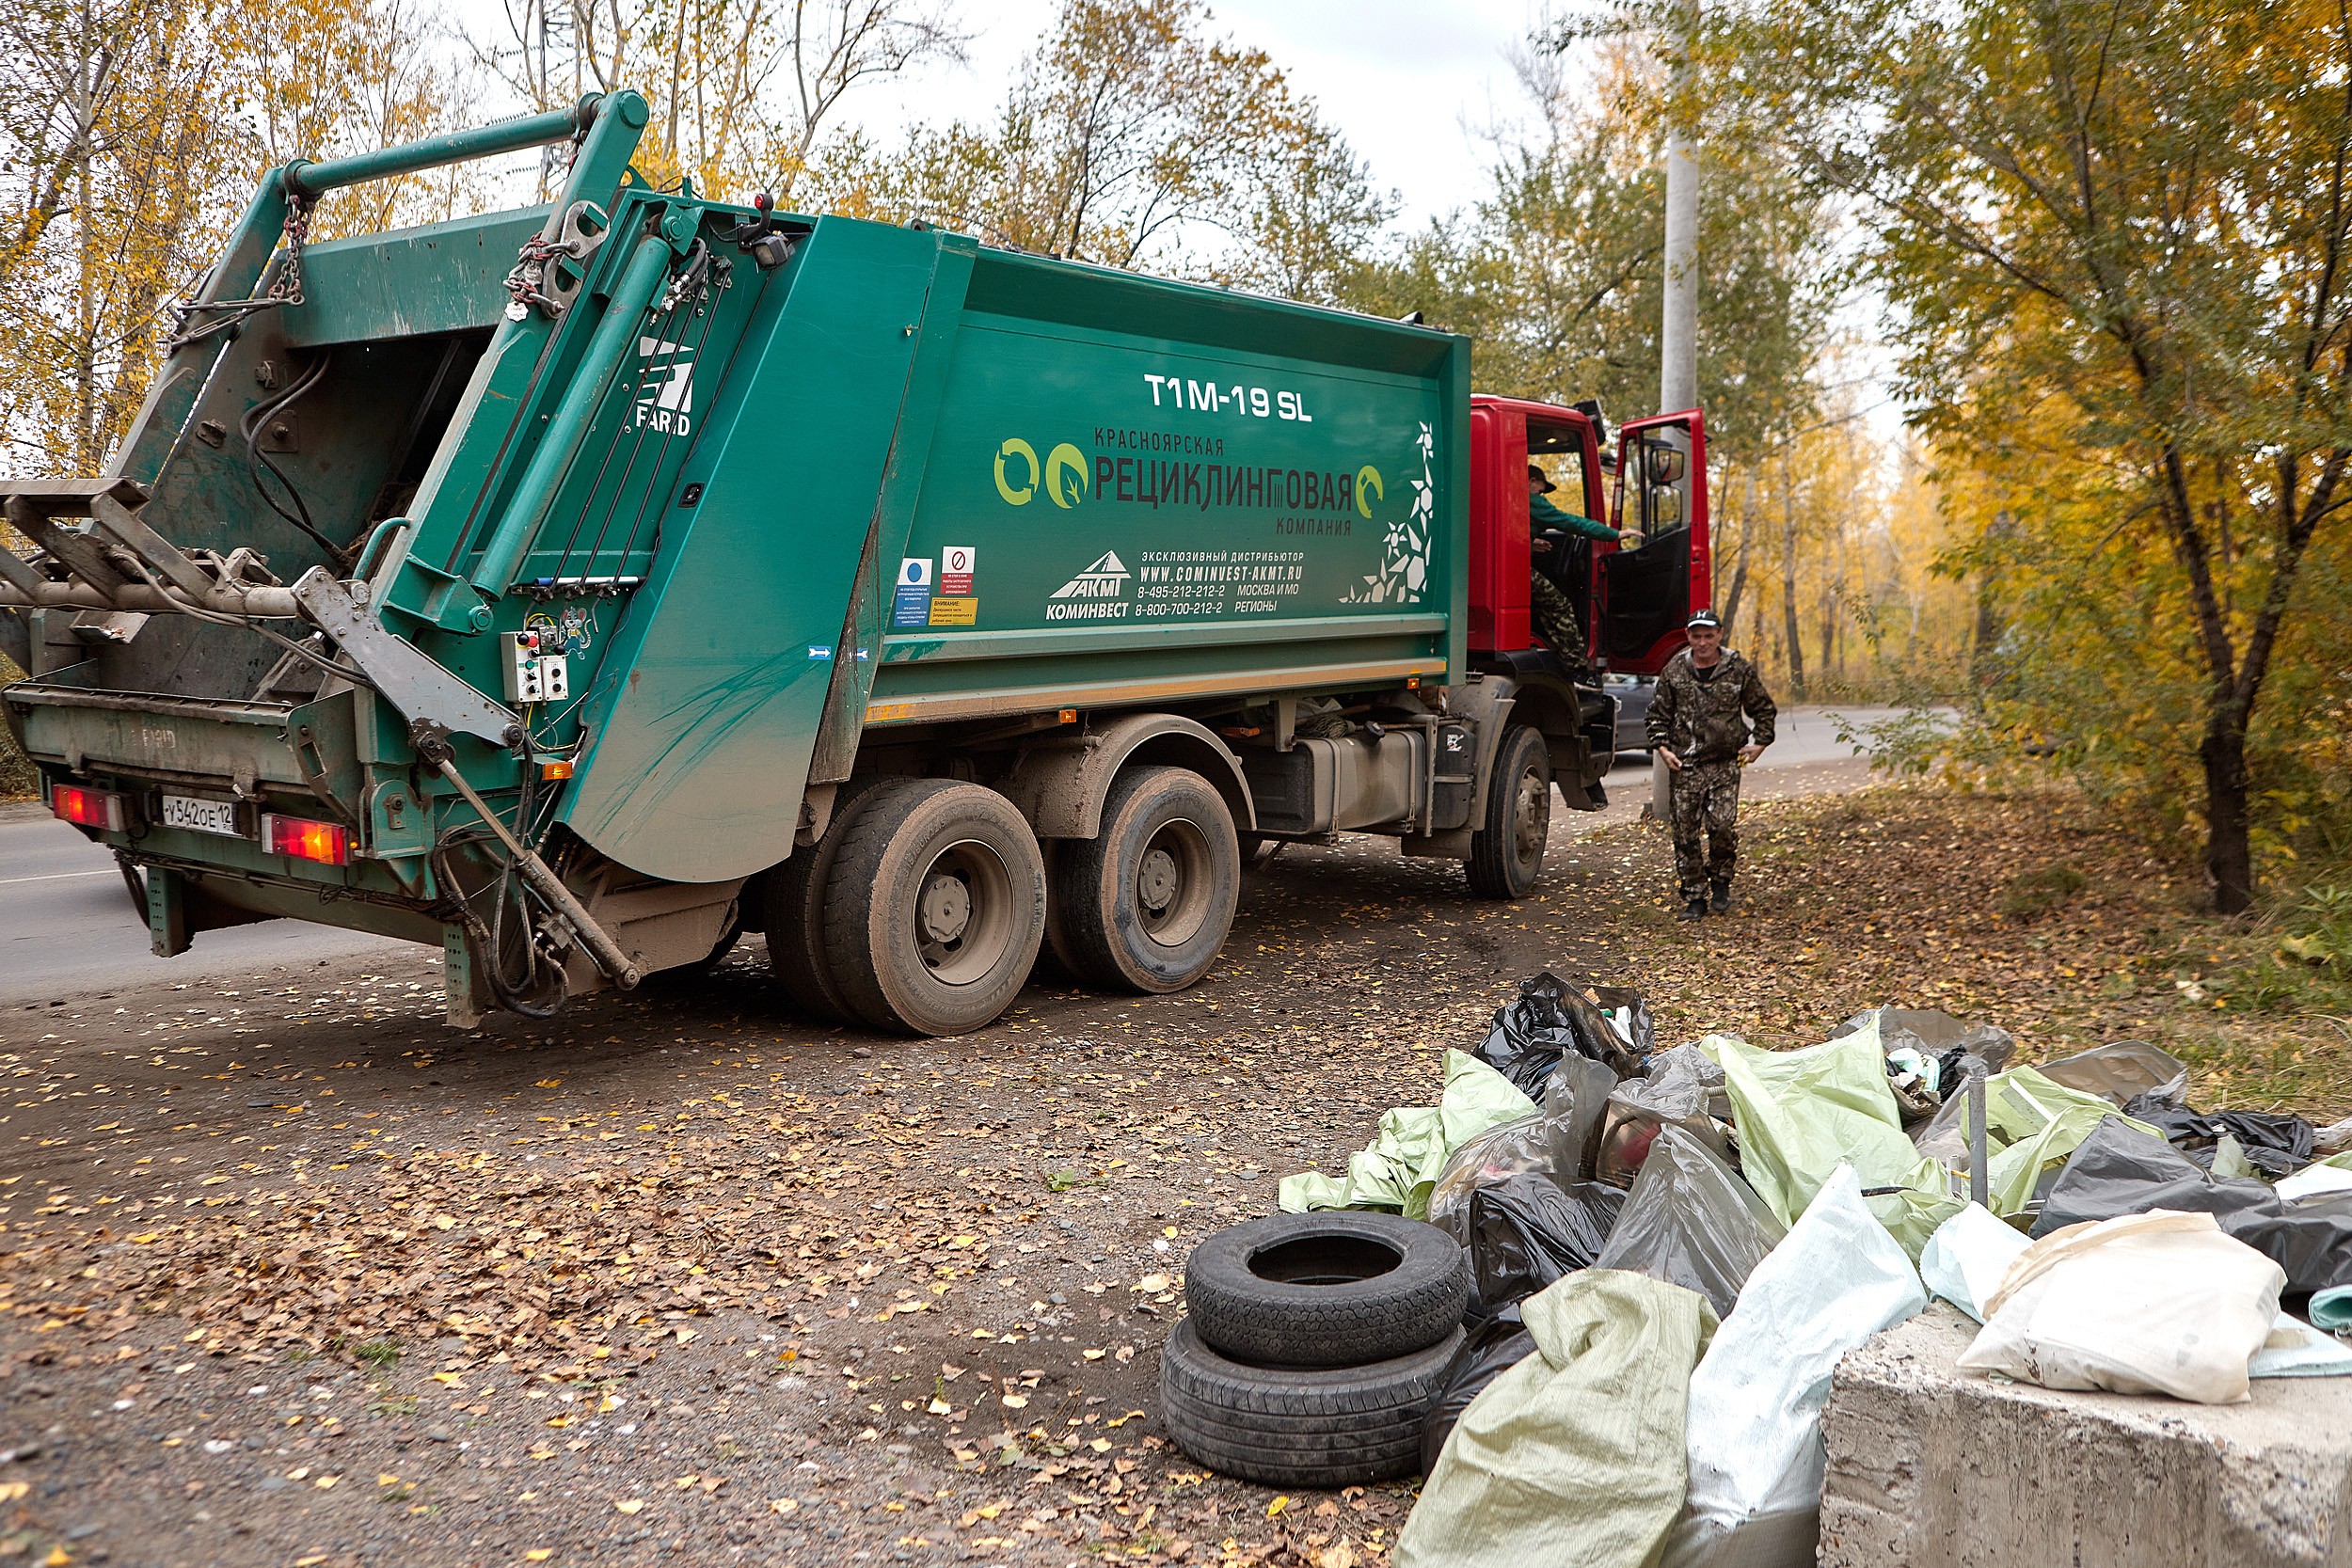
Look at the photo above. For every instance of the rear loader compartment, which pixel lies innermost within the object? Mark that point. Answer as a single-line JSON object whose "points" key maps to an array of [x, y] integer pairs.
{"points": [[580, 587]]}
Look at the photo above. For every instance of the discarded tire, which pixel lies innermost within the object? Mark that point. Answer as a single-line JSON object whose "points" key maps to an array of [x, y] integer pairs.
{"points": [[1326, 1290], [1299, 1426]]}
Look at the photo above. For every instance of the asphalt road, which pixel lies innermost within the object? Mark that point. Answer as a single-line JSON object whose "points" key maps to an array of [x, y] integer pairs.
{"points": [[68, 927]]}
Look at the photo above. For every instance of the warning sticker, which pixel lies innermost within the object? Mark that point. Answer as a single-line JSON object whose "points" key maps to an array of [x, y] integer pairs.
{"points": [[955, 568], [913, 605], [955, 612]]}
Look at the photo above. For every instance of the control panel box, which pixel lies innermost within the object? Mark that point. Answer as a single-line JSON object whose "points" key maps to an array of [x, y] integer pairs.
{"points": [[535, 667]]}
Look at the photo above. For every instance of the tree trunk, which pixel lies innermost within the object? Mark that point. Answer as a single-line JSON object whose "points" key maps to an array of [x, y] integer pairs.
{"points": [[2228, 820], [1984, 660], [1738, 586], [1789, 589], [1739, 571]]}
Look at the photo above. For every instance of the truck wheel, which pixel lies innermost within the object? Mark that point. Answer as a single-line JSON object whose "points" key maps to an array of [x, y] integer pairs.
{"points": [[797, 957], [1145, 904], [934, 906], [1507, 850]]}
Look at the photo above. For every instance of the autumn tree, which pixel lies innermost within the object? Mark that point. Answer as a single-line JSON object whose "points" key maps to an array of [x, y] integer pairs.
{"points": [[2113, 236], [743, 91], [1133, 138], [132, 131], [1557, 268]]}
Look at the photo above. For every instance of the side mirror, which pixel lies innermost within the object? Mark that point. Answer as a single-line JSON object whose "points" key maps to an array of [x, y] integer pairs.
{"points": [[1666, 464], [1666, 505]]}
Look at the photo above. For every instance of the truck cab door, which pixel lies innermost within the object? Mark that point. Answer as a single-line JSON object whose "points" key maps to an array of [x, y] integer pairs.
{"points": [[1648, 593]]}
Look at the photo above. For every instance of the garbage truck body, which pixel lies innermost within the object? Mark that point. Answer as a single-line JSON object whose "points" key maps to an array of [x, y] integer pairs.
{"points": [[576, 587]]}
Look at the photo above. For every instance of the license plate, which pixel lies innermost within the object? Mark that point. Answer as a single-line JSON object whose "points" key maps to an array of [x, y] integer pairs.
{"points": [[203, 817]]}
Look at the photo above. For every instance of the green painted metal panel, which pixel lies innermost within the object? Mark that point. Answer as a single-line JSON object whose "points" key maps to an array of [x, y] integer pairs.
{"points": [[706, 708], [1139, 454], [437, 278]]}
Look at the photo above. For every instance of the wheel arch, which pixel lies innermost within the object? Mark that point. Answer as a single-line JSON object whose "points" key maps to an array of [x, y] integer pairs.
{"points": [[1059, 785]]}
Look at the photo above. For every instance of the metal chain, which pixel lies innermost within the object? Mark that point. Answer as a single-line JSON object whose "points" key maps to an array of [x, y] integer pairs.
{"points": [[289, 285], [286, 289]]}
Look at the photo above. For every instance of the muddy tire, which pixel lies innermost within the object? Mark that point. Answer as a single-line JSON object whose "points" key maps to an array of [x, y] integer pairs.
{"points": [[934, 906], [1326, 1290], [1507, 850], [795, 898], [1300, 1427], [1145, 904]]}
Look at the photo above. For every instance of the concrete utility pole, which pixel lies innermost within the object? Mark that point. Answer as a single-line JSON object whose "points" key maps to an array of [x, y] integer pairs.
{"points": [[1677, 341]]}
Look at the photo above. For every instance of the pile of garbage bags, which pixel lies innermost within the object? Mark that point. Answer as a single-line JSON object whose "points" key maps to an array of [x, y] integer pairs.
{"points": [[1670, 1250]]}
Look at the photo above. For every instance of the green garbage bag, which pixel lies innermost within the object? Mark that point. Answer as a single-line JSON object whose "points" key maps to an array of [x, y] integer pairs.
{"points": [[1802, 1112], [2032, 1122], [1578, 1453], [1401, 1165]]}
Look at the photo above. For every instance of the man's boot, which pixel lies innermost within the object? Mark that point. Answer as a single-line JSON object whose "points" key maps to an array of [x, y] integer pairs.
{"points": [[1721, 901], [1695, 909]]}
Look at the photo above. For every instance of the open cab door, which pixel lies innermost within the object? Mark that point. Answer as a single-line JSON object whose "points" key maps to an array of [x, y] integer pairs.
{"points": [[1648, 593]]}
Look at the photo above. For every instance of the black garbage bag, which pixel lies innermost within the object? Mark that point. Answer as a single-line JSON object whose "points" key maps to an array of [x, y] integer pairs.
{"points": [[2118, 1170], [2279, 1143], [1549, 1019], [1636, 1015], [1489, 1348], [1525, 1231], [1691, 1221]]}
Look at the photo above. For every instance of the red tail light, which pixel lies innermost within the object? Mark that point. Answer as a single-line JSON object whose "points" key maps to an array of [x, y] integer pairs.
{"points": [[323, 841], [91, 808]]}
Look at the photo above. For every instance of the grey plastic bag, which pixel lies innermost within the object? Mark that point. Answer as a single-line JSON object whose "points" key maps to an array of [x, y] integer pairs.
{"points": [[1691, 1221], [2122, 1071]]}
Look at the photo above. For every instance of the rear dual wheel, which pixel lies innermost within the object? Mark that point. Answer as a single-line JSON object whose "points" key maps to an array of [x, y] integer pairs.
{"points": [[934, 906], [919, 911], [1145, 904]]}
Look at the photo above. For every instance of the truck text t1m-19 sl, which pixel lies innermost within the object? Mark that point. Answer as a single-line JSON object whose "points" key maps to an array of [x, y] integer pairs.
{"points": [[578, 587]]}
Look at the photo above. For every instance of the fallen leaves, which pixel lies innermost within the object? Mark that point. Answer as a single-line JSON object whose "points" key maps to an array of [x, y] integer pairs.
{"points": [[629, 1505]]}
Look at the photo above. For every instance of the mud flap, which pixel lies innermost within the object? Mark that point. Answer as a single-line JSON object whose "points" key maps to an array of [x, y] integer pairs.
{"points": [[465, 993], [166, 912]]}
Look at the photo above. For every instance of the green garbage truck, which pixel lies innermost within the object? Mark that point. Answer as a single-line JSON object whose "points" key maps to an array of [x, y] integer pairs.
{"points": [[579, 586]]}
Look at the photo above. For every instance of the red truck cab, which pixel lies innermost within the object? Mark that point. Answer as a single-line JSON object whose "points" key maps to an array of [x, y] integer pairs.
{"points": [[1631, 603]]}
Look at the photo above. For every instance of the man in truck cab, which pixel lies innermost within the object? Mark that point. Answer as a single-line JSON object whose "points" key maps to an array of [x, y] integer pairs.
{"points": [[1698, 722], [1549, 609]]}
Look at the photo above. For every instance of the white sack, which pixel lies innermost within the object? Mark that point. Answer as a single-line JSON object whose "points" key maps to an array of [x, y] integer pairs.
{"points": [[1966, 1257], [1755, 1452], [2159, 1303]]}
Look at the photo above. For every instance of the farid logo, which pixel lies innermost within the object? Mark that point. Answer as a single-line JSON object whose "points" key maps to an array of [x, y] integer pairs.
{"points": [[665, 389], [1094, 595]]}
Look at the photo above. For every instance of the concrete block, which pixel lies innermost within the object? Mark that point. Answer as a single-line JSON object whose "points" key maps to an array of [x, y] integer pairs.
{"points": [[1933, 1467]]}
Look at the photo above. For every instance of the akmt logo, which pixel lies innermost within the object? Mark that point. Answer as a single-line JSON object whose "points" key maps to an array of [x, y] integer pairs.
{"points": [[665, 390], [1094, 595]]}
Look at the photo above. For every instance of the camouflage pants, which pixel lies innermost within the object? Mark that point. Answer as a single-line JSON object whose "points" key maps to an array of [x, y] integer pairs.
{"points": [[1553, 618], [1703, 799]]}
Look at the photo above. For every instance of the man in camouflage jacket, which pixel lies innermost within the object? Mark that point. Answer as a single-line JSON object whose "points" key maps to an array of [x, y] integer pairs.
{"points": [[1698, 722]]}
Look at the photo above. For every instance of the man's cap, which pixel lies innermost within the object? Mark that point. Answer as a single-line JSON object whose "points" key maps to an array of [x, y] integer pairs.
{"points": [[1543, 480], [1703, 618]]}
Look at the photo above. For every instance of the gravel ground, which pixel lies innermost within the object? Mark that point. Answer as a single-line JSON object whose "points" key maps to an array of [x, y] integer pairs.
{"points": [[291, 1274], [295, 1276]]}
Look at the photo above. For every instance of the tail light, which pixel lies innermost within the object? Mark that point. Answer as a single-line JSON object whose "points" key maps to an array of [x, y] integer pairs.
{"points": [[323, 841], [91, 808]]}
